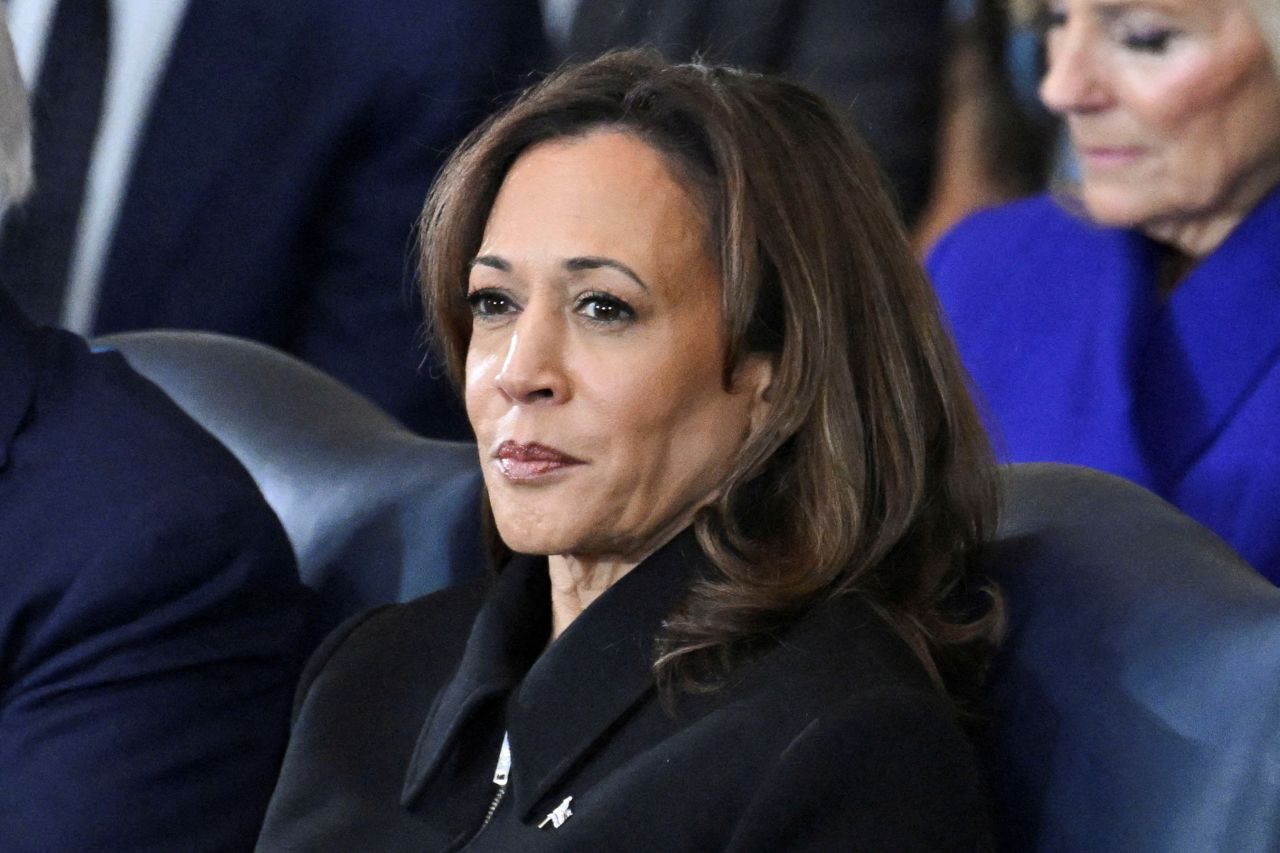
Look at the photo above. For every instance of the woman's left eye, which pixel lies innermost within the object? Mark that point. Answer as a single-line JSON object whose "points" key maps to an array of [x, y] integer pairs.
{"points": [[603, 308], [1148, 41]]}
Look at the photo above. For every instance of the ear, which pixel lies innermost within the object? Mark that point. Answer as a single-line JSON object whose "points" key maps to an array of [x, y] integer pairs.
{"points": [[754, 376]]}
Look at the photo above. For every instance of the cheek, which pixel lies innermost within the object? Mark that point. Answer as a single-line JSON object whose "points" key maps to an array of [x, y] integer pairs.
{"points": [[1220, 131], [621, 395], [1243, 121], [1190, 102], [481, 369], [656, 383], [1183, 95], [677, 415]]}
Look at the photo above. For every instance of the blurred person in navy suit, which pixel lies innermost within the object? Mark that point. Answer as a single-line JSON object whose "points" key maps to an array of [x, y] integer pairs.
{"points": [[1130, 323], [255, 169], [150, 611], [880, 62]]}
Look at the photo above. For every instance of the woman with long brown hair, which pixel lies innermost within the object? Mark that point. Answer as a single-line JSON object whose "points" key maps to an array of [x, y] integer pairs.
{"points": [[735, 481]]}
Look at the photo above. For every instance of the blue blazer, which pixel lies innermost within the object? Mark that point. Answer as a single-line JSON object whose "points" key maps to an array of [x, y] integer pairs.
{"points": [[1078, 359], [150, 614], [288, 152]]}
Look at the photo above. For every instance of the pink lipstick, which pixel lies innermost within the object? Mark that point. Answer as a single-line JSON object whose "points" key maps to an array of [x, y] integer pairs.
{"points": [[525, 462]]}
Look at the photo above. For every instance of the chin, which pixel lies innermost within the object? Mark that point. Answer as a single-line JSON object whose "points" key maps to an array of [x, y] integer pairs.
{"points": [[530, 532], [1115, 209], [533, 545]]}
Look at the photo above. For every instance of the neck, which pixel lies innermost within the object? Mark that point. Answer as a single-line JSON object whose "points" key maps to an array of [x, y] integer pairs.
{"points": [[578, 581], [1199, 235], [1194, 240]]}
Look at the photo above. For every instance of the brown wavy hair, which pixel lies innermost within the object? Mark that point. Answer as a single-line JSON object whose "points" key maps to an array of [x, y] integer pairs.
{"points": [[872, 474]]}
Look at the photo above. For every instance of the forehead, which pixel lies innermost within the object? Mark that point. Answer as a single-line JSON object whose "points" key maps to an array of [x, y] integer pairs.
{"points": [[592, 164], [604, 193]]}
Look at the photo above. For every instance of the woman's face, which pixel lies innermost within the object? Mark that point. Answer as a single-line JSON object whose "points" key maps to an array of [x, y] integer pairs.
{"points": [[1173, 107], [594, 372]]}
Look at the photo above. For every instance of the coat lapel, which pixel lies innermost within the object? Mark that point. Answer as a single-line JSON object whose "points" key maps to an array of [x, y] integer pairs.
{"points": [[592, 675], [1211, 344], [567, 696], [509, 633]]}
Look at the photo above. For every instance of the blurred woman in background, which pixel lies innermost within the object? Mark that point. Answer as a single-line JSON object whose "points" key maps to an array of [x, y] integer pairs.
{"points": [[1132, 323]]}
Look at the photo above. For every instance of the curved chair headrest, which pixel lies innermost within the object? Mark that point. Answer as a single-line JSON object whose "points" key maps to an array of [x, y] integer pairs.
{"points": [[1137, 699], [375, 513]]}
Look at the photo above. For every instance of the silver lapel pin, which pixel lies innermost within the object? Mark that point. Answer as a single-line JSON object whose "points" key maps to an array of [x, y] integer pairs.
{"points": [[558, 815]]}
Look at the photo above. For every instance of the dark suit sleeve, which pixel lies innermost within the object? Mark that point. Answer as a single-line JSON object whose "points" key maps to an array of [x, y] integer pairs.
{"points": [[889, 772], [146, 703], [881, 62]]}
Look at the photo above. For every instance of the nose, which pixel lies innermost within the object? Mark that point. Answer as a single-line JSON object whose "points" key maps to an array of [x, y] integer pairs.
{"points": [[1075, 81], [533, 370]]}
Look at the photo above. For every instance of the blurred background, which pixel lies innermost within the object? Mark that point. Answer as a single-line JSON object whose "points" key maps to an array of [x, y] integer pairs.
{"points": [[257, 168]]}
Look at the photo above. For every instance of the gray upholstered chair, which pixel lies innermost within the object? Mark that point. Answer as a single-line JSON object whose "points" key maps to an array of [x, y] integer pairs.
{"points": [[375, 513], [1135, 706]]}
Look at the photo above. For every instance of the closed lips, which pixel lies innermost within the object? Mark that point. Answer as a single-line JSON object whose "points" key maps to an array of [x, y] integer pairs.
{"points": [[527, 461], [1111, 153]]}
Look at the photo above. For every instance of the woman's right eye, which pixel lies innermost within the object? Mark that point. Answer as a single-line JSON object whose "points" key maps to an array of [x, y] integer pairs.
{"points": [[489, 303]]}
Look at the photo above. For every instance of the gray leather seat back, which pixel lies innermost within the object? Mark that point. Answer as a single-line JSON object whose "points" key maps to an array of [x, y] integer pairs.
{"points": [[375, 513], [1137, 699]]}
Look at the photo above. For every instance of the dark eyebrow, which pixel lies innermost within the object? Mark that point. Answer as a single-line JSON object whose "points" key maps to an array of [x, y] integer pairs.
{"points": [[572, 265], [595, 263], [491, 261]]}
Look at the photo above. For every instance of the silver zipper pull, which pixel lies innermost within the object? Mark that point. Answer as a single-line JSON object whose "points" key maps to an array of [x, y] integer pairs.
{"points": [[500, 775], [503, 770]]}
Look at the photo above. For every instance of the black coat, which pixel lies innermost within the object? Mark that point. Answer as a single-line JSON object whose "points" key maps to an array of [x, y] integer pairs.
{"points": [[831, 740]]}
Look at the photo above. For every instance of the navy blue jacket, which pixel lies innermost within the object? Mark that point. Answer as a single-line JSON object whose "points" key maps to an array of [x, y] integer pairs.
{"points": [[150, 614], [285, 160], [1079, 360], [832, 739]]}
